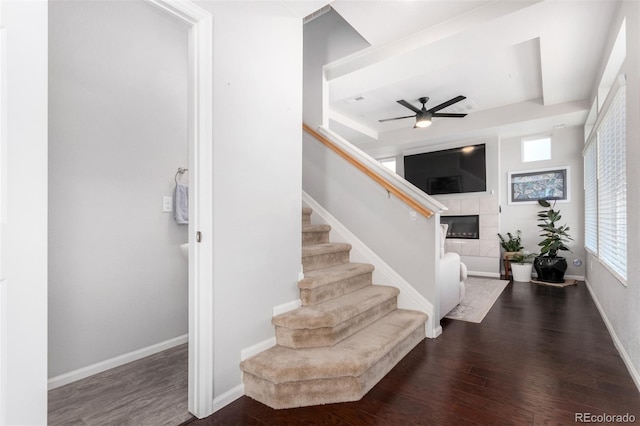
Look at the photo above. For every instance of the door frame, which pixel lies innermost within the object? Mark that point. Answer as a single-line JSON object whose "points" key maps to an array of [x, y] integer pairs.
{"points": [[200, 98]]}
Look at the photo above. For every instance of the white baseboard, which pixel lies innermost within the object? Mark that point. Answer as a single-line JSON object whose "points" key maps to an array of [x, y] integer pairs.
{"points": [[257, 348], [82, 373], [228, 397], [484, 274], [497, 275], [434, 333], [616, 341], [575, 277], [286, 307]]}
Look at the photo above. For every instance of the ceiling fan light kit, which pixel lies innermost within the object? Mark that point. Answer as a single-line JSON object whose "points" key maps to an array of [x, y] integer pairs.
{"points": [[423, 116], [423, 120]]}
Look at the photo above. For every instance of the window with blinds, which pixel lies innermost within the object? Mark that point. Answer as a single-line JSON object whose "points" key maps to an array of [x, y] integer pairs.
{"points": [[605, 184], [612, 186], [591, 197]]}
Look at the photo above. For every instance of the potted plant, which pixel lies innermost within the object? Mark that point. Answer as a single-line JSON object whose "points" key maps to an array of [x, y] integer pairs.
{"points": [[521, 266], [549, 266], [511, 245]]}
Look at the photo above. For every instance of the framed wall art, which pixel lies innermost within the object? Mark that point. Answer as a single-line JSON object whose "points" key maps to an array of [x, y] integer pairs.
{"points": [[531, 185]]}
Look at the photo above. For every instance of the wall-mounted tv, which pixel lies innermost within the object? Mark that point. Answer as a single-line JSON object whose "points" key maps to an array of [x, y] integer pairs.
{"points": [[450, 171]]}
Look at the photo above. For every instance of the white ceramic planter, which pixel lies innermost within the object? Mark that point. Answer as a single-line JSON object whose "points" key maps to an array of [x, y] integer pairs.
{"points": [[521, 272]]}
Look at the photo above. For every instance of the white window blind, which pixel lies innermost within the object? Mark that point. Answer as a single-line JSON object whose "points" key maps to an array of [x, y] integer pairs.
{"points": [[612, 186], [591, 197]]}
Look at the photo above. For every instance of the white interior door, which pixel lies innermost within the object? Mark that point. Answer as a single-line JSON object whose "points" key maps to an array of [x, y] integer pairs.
{"points": [[3, 215], [200, 202], [23, 212]]}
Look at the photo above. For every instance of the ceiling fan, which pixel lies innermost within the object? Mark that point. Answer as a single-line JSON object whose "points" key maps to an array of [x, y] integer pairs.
{"points": [[423, 116]]}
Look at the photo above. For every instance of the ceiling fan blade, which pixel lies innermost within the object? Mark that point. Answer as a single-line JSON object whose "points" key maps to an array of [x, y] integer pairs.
{"points": [[446, 114], [448, 103], [408, 105], [397, 118]]}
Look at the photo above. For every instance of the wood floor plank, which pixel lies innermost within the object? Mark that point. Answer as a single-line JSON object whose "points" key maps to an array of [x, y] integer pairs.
{"points": [[539, 356], [151, 391]]}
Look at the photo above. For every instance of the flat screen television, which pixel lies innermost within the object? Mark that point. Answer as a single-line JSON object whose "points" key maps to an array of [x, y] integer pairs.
{"points": [[450, 171]]}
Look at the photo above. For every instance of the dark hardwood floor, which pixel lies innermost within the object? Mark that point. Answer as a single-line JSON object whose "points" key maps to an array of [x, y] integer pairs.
{"points": [[540, 355]]}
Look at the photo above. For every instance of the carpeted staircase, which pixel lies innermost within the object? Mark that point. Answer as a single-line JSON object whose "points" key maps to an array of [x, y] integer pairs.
{"points": [[345, 338]]}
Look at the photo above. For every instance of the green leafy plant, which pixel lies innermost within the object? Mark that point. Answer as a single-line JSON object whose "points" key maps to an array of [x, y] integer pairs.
{"points": [[555, 237], [511, 243], [521, 258]]}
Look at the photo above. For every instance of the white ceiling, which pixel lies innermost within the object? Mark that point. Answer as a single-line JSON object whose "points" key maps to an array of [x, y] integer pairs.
{"points": [[523, 65]]}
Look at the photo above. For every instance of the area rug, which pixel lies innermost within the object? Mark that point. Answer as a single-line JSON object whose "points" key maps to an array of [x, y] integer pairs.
{"points": [[564, 284], [479, 297]]}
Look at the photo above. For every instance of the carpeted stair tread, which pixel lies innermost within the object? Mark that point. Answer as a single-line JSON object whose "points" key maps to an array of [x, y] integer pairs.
{"points": [[350, 358], [320, 277], [315, 234], [306, 215], [315, 228], [347, 336], [322, 255], [335, 311], [324, 248]]}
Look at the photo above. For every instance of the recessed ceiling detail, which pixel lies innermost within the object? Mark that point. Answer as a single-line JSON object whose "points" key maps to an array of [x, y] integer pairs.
{"points": [[506, 57]]}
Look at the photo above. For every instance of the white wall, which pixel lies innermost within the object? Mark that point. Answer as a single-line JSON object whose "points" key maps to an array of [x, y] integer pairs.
{"points": [[24, 228], [326, 39], [620, 305], [257, 152], [405, 240], [117, 134], [566, 150]]}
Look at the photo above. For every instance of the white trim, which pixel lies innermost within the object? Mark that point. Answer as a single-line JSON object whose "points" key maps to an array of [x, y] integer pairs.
{"points": [[3, 221], [484, 274], [575, 277], [286, 307], [409, 297], [436, 332], [228, 397], [201, 330], [84, 372], [3, 349], [257, 348], [497, 275], [635, 375]]}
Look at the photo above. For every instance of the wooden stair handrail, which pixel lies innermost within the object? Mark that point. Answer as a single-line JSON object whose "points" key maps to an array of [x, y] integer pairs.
{"points": [[367, 171]]}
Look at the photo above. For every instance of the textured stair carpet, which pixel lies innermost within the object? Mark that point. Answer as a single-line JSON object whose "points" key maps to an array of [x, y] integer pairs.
{"points": [[285, 378], [346, 336]]}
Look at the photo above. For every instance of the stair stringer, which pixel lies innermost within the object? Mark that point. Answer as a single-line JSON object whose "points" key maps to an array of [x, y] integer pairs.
{"points": [[409, 297]]}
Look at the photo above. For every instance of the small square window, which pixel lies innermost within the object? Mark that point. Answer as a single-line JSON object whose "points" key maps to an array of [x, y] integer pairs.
{"points": [[536, 149], [389, 163]]}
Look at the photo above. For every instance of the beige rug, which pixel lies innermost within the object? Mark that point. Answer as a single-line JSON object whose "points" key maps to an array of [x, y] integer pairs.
{"points": [[480, 295], [564, 284]]}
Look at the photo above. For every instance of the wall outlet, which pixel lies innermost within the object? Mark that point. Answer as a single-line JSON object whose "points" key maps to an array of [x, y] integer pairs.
{"points": [[167, 204]]}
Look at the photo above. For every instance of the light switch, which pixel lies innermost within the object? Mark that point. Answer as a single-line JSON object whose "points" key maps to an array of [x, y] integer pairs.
{"points": [[167, 204]]}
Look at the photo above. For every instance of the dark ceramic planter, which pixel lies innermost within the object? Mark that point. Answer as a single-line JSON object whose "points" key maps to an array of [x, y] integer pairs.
{"points": [[550, 269]]}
